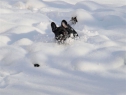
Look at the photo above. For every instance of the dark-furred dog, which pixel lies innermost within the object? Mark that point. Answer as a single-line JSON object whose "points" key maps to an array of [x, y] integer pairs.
{"points": [[63, 32]]}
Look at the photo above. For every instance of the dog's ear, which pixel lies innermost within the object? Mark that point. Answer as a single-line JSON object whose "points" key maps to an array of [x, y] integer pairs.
{"points": [[53, 26], [64, 23]]}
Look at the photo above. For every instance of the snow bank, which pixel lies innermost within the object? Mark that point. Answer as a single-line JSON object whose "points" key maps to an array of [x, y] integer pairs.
{"points": [[82, 15], [11, 54], [94, 64]]}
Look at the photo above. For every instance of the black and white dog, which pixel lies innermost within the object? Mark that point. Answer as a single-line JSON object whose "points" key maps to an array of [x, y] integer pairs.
{"points": [[63, 32]]}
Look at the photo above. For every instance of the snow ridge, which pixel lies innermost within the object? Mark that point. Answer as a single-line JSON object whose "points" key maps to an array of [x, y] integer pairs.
{"points": [[94, 64]]}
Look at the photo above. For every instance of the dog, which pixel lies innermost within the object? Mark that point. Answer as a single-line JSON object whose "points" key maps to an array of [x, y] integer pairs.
{"points": [[63, 32]]}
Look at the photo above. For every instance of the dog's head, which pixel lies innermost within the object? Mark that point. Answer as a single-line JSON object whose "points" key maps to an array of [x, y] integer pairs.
{"points": [[60, 32]]}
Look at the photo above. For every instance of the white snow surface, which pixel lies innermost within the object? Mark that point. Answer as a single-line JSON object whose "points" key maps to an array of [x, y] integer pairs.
{"points": [[95, 64]]}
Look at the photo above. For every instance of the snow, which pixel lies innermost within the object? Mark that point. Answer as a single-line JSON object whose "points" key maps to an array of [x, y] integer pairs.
{"points": [[94, 64]]}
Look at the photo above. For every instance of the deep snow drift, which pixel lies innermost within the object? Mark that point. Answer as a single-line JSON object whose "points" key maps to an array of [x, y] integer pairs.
{"points": [[95, 64]]}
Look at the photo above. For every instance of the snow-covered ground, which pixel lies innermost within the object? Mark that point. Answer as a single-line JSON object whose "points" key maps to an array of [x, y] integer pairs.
{"points": [[95, 64]]}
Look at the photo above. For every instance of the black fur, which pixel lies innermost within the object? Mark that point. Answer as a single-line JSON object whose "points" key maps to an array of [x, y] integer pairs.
{"points": [[36, 65], [69, 29], [60, 33]]}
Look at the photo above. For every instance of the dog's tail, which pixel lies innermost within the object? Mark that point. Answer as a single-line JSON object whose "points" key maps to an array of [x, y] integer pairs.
{"points": [[73, 20]]}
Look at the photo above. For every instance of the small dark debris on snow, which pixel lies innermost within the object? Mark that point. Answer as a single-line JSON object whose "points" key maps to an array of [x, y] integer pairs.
{"points": [[36, 65]]}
